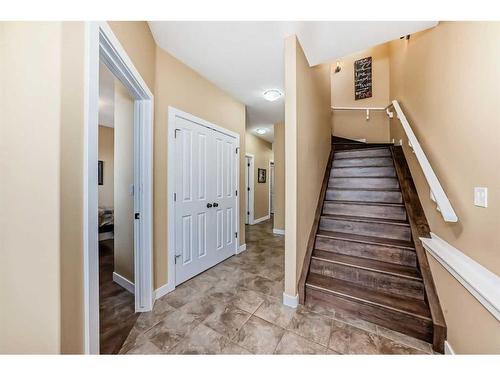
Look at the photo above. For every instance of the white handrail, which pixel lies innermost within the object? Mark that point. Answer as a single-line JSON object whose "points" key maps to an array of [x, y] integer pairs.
{"points": [[367, 109], [358, 108], [437, 193]]}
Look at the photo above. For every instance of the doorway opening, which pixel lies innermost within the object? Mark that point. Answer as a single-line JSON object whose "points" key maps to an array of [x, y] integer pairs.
{"points": [[116, 212], [133, 187]]}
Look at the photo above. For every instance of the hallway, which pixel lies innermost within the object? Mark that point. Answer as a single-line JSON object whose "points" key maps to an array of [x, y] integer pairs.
{"points": [[236, 308]]}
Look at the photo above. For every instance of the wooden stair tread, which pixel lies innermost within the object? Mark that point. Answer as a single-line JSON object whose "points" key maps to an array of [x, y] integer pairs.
{"points": [[363, 167], [369, 264], [362, 203], [409, 306], [366, 157], [363, 147], [364, 189], [341, 140], [336, 178], [367, 239], [365, 219]]}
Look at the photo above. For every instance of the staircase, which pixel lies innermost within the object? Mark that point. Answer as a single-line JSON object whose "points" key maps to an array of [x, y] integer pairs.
{"points": [[365, 258]]}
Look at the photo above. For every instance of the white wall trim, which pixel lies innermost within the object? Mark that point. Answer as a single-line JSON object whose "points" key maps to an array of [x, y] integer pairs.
{"points": [[448, 348], [172, 114], [124, 282], [281, 232], [261, 219], [242, 248], [163, 290], [269, 188], [250, 184], [290, 301], [483, 284], [102, 45]]}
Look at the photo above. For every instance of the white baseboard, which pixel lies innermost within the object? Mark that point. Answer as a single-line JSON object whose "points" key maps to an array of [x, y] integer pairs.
{"points": [[163, 290], [124, 282], [448, 349], [261, 219], [279, 231], [290, 301], [241, 249]]}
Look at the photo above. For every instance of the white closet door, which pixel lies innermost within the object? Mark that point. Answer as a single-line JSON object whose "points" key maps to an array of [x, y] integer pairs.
{"points": [[205, 206], [225, 196], [194, 190]]}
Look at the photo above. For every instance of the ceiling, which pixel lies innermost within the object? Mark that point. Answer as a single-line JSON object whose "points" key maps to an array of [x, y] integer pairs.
{"points": [[245, 58], [268, 128]]}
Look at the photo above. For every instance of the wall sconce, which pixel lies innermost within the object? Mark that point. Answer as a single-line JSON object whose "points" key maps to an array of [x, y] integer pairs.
{"points": [[407, 37], [338, 68]]}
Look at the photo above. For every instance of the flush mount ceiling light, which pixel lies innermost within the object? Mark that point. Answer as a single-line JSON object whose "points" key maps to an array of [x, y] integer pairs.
{"points": [[272, 95], [261, 131]]}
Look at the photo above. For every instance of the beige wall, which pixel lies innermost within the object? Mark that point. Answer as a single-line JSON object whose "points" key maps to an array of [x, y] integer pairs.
{"points": [[123, 179], [445, 79], [181, 87], [72, 135], [30, 140], [353, 124], [107, 155], [279, 176], [263, 154], [138, 42], [307, 137]]}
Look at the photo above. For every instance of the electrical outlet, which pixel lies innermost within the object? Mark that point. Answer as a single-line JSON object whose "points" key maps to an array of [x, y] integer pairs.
{"points": [[481, 196]]}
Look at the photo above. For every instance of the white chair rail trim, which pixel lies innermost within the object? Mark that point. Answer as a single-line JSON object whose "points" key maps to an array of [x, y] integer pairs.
{"points": [[483, 284]]}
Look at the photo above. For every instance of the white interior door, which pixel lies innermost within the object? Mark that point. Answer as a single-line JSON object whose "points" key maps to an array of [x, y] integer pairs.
{"points": [[224, 204], [205, 202]]}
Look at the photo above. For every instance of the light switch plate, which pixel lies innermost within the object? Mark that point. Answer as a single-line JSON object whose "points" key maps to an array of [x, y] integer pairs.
{"points": [[481, 196]]}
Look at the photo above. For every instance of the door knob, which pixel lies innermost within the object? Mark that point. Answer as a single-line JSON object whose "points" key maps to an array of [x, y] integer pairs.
{"points": [[216, 204], [209, 205]]}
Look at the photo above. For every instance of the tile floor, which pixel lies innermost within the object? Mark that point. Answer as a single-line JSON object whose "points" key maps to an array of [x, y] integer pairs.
{"points": [[235, 308]]}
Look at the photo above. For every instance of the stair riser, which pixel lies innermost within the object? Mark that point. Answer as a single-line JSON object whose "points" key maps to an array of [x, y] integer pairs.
{"points": [[363, 162], [400, 322], [363, 153], [369, 279], [365, 210], [360, 183], [363, 172], [384, 230], [364, 196], [369, 251]]}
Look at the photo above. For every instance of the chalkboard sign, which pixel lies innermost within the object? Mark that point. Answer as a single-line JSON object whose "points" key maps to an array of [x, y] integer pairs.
{"points": [[363, 78]]}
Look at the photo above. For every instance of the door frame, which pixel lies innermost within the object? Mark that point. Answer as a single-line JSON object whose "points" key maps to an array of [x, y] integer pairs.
{"points": [[270, 192], [172, 114], [102, 45], [251, 184]]}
